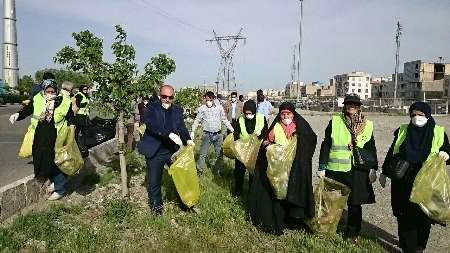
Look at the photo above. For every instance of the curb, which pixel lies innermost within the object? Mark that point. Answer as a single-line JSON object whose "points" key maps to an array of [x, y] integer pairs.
{"points": [[20, 194]]}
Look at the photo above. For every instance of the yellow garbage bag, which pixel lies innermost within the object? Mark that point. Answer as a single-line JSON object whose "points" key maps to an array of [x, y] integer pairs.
{"points": [[67, 155], [279, 161], [184, 175], [226, 146], [247, 151], [431, 190], [330, 198], [26, 150]]}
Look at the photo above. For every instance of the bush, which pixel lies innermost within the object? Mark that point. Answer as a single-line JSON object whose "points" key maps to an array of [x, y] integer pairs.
{"points": [[12, 98]]}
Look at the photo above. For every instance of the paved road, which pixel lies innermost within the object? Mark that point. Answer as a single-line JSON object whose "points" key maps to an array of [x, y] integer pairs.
{"points": [[12, 167]]}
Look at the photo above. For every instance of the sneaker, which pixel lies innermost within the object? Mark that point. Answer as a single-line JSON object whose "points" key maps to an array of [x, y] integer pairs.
{"points": [[55, 196], [51, 188]]}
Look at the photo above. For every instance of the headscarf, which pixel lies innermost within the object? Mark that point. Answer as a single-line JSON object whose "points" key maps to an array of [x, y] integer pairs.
{"points": [[250, 105], [355, 124], [418, 140], [290, 129], [49, 101]]}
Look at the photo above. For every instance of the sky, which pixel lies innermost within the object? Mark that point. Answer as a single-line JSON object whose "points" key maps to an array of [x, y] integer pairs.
{"points": [[338, 36]]}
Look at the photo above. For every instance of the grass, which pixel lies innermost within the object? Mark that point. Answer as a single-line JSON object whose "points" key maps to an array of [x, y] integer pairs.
{"points": [[220, 224]]}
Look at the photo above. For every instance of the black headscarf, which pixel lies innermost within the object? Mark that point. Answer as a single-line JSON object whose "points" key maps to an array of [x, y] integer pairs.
{"points": [[417, 144], [249, 105]]}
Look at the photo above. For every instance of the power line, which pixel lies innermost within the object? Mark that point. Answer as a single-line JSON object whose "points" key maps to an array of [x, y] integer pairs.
{"points": [[167, 15]]}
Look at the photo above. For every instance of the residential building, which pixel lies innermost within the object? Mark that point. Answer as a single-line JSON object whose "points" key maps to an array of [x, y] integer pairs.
{"points": [[447, 86], [293, 89], [354, 82]]}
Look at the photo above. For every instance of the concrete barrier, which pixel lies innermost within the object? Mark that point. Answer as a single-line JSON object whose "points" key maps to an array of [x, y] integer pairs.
{"points": [[22, 193], [26, 191]]}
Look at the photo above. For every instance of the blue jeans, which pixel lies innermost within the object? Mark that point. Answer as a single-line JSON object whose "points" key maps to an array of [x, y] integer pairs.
{"points": [[210, 138], [59, 181], [155, 166]]}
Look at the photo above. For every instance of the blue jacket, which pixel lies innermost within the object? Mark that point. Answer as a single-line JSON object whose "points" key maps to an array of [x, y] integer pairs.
{"points": [[156, 134]]}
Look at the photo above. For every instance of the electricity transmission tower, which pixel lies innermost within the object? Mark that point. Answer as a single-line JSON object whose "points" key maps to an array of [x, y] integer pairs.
{"points": [[398, 34], [225, 75]]}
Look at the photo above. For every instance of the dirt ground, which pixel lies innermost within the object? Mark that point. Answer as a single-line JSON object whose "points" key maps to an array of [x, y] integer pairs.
{"points": [[378, 218]]}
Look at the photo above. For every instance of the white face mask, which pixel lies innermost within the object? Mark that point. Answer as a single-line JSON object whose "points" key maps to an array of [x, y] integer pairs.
{"points": [[419, 121], [233, 99], [249, 116], [209, 103], [166, 105], [50, 96], [287, 121]]}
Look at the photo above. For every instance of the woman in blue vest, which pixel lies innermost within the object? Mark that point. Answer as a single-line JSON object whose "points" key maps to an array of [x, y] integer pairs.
{"points": [[266, 211], [414, 143], [49, 114], [343, 132], [249, 123]]}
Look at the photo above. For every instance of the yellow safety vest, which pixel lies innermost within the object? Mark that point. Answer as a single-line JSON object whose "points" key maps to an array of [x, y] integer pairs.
{"points": [[84, 110], [280, 136], [438, 139], [340, 157], [258, 126], [59, 113]]}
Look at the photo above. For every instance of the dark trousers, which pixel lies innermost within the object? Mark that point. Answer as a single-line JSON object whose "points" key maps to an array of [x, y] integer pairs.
{"points": [[155, 166], [413, 234], [354, 219], [234, 123], [81, 126], [239, 174]]}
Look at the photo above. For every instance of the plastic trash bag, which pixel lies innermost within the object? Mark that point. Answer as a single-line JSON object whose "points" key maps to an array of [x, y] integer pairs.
{"points": [[184, 175], [279, 161], [330, 199], [67, 155], [26, 150], [247, 151], [226, 146], [431, 190]]}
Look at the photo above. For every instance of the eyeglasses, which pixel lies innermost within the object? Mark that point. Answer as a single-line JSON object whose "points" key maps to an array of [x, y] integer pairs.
{"points": [[167, 97]]}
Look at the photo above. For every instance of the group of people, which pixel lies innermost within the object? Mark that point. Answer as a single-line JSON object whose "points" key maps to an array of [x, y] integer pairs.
{"points": [[52, 110], [349, 130]]}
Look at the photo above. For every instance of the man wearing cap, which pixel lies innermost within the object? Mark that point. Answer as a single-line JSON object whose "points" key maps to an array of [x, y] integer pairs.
{"points": [[346, 132]]}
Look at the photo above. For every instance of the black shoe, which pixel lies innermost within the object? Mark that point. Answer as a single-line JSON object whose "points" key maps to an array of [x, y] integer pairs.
{"points": [[157, 210]]}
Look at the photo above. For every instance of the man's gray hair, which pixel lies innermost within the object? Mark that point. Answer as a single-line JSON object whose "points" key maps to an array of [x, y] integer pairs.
{"points": [[66, 85]]}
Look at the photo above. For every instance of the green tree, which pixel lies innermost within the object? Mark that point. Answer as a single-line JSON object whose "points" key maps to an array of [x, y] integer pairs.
{"points": [[62, 75], [26, 83], [118, 83], [189, 99]]}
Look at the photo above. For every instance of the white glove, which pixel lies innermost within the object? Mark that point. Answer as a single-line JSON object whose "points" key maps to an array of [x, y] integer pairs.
{"points": [[442, 154], [231, 129], [321, 173], [13, 118], [258, 133], [382, 180], [191, 143], [372, 176], [192, 135], [176, 139]]}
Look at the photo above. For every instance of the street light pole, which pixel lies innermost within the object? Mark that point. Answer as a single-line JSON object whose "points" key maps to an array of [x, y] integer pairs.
{"points": [[299, 50], [397, 60]]}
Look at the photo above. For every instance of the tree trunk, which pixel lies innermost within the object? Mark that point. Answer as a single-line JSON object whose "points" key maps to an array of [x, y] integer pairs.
{"points": [[123, 163]]}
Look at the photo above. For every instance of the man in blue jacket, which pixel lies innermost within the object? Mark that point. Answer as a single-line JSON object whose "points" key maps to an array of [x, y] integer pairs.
{"points": [[164, 134]]}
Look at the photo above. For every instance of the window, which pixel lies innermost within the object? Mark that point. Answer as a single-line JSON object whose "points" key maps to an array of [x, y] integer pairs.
{"points": [[367, 96], [353, 84], [359, 90], [353, 90], [359, 84], [367, 90], [367, 78], [417, 65], [416, 75]]}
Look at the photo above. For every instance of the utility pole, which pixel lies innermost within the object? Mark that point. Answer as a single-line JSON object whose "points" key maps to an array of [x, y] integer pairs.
{"points": [[397, 58], [225, 74], [300, 41]]}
